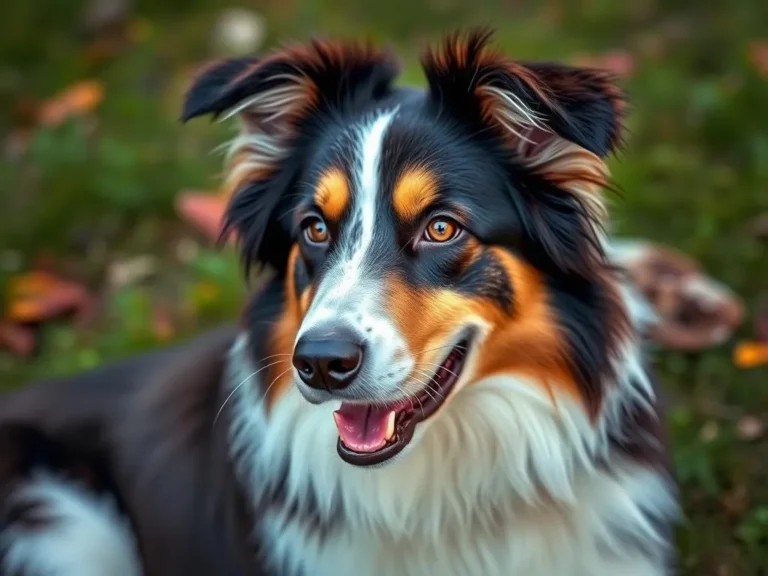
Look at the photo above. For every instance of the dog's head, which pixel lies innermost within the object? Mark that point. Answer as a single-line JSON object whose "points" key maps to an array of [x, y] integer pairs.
{"points": [[427, 242]]}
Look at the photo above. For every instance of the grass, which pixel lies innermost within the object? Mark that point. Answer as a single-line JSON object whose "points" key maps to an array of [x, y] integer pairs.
{"points": [[101, 190]]}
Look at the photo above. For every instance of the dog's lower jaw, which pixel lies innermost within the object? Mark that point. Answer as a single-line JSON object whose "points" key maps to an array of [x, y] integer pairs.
{"points": [[434, 511]]}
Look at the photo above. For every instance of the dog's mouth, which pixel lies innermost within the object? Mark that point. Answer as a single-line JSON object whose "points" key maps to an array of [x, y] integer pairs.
{"points": [[370, 434]]}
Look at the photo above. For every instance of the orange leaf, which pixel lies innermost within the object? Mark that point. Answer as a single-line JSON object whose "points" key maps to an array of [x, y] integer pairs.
{"points": [[750, 354], [75, 100], [38, 296], [204, 211]]}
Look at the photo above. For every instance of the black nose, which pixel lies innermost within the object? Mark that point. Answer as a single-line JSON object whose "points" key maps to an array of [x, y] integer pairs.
{"points": [[328, 359]]}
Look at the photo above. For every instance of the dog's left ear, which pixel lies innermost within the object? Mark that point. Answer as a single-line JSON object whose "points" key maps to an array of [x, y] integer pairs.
{"points": [[530, 101], [554, 123], [284, 100]]}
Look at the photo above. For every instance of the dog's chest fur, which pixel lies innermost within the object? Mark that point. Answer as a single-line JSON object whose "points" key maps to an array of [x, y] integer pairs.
{"points": [[458, 504], [541, 542]]}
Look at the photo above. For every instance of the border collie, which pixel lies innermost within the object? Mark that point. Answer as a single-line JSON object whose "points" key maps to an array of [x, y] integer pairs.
{"points": [[443, 375]]}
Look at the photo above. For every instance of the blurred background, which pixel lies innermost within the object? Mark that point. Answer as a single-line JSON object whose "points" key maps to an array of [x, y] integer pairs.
{"points": [[108, 206]]}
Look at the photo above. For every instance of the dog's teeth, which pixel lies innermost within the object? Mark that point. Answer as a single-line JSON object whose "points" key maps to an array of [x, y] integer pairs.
{"points": [[390, 426]]}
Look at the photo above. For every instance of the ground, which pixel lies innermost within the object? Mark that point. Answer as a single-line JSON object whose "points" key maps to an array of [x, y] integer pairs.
{"points": [[93, 196]]}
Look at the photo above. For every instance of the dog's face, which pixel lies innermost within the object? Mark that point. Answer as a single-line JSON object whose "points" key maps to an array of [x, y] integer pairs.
{"points": [[425, 242]]}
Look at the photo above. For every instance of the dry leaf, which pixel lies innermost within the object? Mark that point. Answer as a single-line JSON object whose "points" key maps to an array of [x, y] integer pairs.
{"points": [[750, 428], [203, 211], [758, 55], [18, 339], [76, 100], [38, 296], [750, 354]]}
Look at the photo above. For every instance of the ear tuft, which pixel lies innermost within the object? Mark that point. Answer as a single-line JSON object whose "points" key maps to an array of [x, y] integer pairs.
{"points": [[284, 100], [552, 124], [290, 82], [208, 91], [480, 84], [592, 104]]}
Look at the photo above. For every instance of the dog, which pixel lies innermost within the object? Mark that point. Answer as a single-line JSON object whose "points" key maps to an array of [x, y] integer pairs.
{"points": [[444, 373]]}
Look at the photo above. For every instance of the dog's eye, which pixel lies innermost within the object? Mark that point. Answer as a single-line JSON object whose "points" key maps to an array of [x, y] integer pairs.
{"points": [[441, 230], [315, 230]]}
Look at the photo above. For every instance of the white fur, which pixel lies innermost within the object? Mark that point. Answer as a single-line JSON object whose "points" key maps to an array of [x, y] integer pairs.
{"points": [[87, 536], [346, 274], [350, 292], [504, 480], [501, 481]]}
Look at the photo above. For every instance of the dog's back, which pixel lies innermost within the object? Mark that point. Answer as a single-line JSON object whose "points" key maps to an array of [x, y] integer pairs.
{"points": [[120, 463]]}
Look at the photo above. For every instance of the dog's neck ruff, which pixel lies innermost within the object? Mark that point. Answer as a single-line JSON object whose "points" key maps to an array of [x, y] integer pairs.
{"points": [[504, 480]]}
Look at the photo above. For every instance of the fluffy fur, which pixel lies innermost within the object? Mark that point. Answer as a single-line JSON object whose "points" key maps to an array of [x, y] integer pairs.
{"points": [[68, 530], [464, 223], [529, 499]]}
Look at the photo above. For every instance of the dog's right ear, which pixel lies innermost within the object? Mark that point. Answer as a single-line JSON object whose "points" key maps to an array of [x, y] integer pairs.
{"points": [[283, 100]]}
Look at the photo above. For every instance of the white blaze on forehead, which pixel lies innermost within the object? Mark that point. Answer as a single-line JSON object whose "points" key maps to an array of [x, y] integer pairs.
{"points": [[343, 289], [361, 225]]}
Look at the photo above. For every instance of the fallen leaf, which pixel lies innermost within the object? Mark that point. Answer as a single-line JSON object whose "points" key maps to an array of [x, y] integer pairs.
{"points": [[76, 100], [203, 211], [619, 62], [18, 339], [38, 296], [758, 56], [750, 354], [750, 428]]}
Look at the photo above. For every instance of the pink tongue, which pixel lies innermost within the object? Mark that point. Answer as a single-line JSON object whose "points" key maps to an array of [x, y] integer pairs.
{"points": [[362, 428]]}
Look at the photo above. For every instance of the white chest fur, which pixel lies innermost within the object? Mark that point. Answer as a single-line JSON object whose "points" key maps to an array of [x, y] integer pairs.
{"points": [[501, 483], [543, 541]]}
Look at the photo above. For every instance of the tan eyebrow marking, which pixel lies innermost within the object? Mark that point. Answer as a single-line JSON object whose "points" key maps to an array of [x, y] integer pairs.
{"points": [[332, 193], [414, 191]]}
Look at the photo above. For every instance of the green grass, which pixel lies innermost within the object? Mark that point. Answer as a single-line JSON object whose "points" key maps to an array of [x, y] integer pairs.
{"points": [[89, 193]]}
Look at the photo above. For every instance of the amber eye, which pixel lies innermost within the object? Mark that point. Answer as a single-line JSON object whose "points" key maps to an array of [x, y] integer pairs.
{"points": [[316, 231], [441, 230]]}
